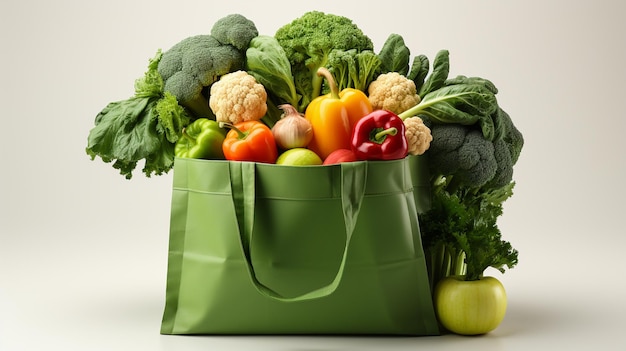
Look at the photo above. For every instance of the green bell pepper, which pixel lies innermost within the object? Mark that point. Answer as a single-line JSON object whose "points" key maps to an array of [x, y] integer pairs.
{"points": [[202, 138]]}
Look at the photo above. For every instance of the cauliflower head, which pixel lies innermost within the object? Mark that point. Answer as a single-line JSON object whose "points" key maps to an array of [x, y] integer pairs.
{"points": [[418, 135], [237, 97], [393, 92]]}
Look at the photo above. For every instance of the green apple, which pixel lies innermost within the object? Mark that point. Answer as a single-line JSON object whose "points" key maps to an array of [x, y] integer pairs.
{"points": [[470, 307], [299, 156]]}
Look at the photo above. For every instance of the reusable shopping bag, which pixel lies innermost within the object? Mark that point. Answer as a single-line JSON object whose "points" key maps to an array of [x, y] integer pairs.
{"points": [[269, 249]]}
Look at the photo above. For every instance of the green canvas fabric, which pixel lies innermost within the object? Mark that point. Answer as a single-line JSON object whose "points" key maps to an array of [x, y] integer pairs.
{"points": [[268, 249]]}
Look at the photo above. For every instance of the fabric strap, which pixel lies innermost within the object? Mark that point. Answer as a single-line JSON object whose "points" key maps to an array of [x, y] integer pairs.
{"points": [[243, 189]]}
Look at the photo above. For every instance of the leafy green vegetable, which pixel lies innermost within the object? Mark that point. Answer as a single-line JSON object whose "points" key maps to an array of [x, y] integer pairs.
{"points": [[486, 83], [308, 41], [143, 127], [465, 104], [462, 100], [441, 70], [395, 55], [463, 236], [172, 117], [151, 84], [267, 61], [419, 70]]}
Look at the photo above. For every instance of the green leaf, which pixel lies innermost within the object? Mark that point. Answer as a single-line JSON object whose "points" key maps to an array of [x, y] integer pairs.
{"points": [[172, 117], [419, 70], [267, 62], [437, 79], [151, 84], [467, 222], [395, 55], [143, 127], [127, 132], [460, 79], [461, 103]]}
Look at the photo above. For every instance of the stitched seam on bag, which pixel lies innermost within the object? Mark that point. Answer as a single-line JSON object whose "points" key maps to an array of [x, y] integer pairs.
{"points": [[386, 193], [390, 263], [367, 194], [297, 199], [382, 194], [202, 191]]}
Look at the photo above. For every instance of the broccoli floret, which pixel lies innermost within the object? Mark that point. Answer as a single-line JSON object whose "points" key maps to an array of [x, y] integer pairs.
{"points": [[462, 155], [308, 41], [507, 149], [512, 136], [504, 169], [190, 66], [352, 68], [235, 30]]}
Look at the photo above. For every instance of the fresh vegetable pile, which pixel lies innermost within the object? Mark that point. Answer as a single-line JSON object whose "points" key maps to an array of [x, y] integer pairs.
{"points": [[316, 93]]}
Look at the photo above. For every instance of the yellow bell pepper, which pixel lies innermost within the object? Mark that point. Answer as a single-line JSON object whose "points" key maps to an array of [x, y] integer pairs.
{"points": [[334, 115]]}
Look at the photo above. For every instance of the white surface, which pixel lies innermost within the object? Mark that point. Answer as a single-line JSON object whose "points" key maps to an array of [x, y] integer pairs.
{"points": [[83, 251]]}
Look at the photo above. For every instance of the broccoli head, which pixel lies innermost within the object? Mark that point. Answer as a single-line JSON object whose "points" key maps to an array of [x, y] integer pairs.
{"points": [[190, 66], [462, 155], [308, 42], [235, 30]]}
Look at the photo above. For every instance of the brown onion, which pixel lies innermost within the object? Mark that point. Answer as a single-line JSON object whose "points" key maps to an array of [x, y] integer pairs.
{"points": [[292, 130]]}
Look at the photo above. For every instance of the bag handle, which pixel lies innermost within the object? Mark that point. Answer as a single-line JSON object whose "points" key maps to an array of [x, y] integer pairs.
{"points": [[242, 174]]}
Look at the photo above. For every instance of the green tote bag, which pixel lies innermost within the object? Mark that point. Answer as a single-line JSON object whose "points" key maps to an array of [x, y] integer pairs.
{"points": [[267, 249]]}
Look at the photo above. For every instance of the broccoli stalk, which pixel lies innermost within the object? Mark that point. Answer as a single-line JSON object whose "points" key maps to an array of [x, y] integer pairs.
{"points": [[309, 40]]}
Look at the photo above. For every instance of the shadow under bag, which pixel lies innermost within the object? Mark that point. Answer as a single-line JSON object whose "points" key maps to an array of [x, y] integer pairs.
{"points": [[268, 249]]}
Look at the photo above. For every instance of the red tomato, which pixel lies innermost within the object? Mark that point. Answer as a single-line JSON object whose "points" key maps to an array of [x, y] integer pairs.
{"points": [[340, 155]]}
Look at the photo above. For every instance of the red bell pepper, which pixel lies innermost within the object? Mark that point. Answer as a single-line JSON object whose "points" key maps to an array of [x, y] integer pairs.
{"points": [[379, 135]]}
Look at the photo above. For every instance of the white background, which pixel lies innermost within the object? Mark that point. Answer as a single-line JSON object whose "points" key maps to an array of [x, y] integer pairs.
{"points": [[83, 252]]}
